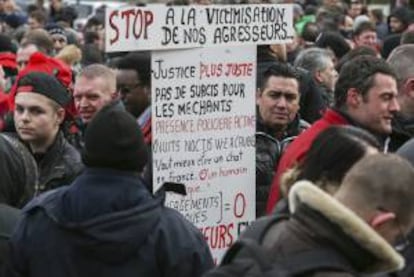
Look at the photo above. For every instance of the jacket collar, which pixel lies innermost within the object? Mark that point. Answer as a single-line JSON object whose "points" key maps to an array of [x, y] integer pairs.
{"points": [[293, 128], [56, 147], [385, 258], [382, 139], [403, 125], [337, 117]]}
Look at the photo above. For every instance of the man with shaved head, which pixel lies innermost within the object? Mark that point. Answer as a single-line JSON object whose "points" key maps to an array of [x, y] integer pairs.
{"points": [[95, 87], [402, 61]]}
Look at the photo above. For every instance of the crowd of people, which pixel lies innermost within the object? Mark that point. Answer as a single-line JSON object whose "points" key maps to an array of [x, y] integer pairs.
{"points": [[334, 155]]}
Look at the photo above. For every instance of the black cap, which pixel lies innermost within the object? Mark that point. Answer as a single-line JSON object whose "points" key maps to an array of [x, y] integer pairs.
{"points": [[44, 84], [114, 140]]}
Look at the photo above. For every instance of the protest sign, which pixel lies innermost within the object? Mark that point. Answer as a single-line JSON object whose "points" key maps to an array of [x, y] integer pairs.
{"points": [[203, 124], [156, 27]]}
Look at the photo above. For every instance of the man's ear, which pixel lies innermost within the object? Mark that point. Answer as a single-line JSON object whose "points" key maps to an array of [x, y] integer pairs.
{"points": [[60, 115], [355, 39], [353, 97], [381, 218], [318, 76], [408, 89], [115, 95], [258, 95], [147, 91]]}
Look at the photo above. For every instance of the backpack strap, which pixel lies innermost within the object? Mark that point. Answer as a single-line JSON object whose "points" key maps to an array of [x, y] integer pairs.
{"points": [[253, 249], [259, 228], [250, 240], [315, 260]]}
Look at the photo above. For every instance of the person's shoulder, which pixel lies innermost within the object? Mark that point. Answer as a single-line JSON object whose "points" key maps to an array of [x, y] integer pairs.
{"points": [[296, 150], [332, 274], [330, 117], [9, 217], [44, 200], [301, 141], [179, 229], [303, 125], [176, 220], [69, 149], [71, 158]]}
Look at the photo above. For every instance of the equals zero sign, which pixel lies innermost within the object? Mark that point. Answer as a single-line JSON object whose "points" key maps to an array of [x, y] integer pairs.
{"points": [[226, 206]]}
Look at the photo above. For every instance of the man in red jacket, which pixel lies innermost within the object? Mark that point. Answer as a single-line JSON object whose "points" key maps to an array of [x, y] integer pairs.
{"points": [[365, 96]]}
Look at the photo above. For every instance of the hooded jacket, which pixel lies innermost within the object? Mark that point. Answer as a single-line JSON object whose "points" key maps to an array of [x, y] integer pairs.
{"points": [[318, 222], [402, 14], [106, 224]]}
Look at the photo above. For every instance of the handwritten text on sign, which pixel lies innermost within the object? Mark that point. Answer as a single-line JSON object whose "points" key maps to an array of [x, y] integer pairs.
{"points": [[173, 27], [203, 128]]}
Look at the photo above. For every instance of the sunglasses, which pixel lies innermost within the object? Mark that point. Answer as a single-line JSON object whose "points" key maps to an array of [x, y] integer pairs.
{"points": [[123, 90]]}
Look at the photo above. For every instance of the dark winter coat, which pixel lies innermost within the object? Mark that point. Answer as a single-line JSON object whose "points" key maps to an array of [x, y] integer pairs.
{"points": [[312, 102], [8, 220], [268, 150], [18, 171], [402, 131], [408, 254], [59, 166], [318, 222], [327, 95], [106, 223], [391, 42]]}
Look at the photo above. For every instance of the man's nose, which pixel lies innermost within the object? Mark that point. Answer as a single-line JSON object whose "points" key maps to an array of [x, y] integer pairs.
{"points": [[281, 102], [24, 116], [83, 102], [394, 106]]}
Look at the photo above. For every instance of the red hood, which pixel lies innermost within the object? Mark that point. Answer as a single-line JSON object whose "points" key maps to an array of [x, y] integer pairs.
{"points": [[8, 60]]}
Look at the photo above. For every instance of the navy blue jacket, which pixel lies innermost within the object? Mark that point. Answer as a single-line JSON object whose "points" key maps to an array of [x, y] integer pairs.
{"points": [[106, 224]]}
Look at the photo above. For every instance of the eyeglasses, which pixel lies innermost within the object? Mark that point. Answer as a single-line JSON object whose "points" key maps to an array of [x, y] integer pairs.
{"points": [[402, 241], [127, 88]]}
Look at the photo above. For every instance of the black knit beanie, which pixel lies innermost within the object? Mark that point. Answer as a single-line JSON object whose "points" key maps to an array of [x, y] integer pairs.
{"points": [[55, 29], [46, 85], [114, 140]]}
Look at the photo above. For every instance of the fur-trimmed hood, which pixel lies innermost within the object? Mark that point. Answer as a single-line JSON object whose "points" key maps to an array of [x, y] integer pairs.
{"points": [[304, 192]]}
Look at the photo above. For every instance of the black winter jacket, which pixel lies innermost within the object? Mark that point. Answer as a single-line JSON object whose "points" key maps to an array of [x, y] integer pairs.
{"points": [[268, 151], [59, 166], [9, 217], [106, 223]]}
